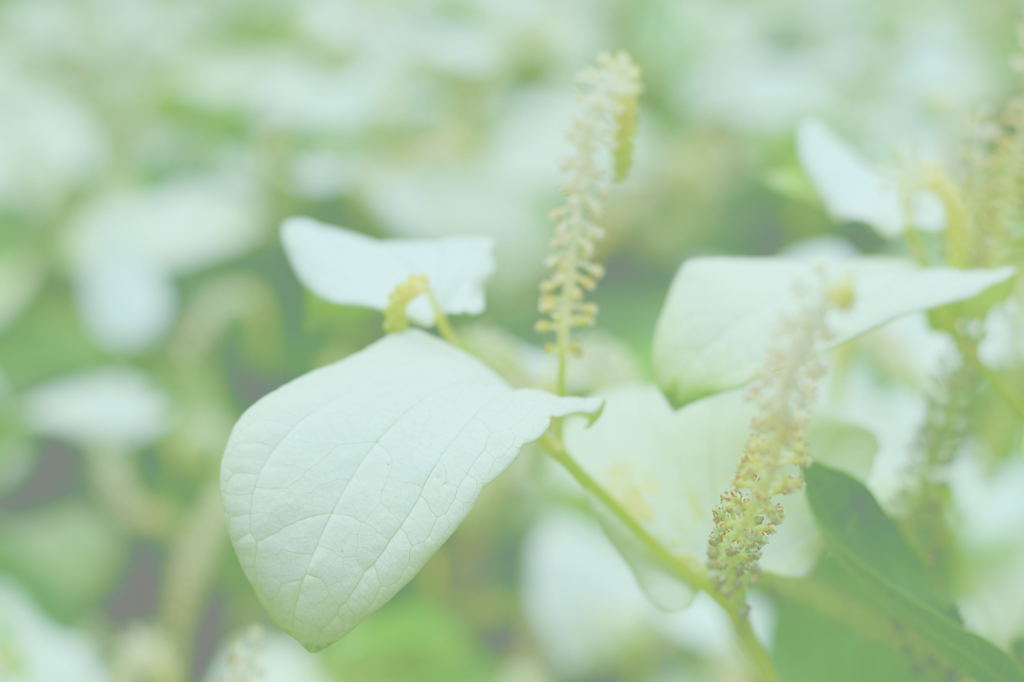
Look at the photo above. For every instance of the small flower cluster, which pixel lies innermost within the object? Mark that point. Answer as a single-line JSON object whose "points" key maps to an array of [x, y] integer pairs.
{"points": [[995, 188], [941, 436], [776, 451], [242, 661], [601, 139], [984, 201]]}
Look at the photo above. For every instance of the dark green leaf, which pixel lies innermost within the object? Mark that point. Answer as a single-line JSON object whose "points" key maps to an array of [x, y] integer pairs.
{"points": [[883, 571]]}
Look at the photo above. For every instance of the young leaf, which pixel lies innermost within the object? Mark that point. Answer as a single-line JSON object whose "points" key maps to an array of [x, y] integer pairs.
{"points": [[340, 485], [883, 570], [667, 469], [705, 343], [853, 190], [347, 267]]}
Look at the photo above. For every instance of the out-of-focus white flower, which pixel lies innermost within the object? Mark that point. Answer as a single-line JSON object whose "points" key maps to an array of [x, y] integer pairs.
{"points": [[35, 649], [583, 605], [764, 67], [1004, 328], [417, 201], [990, 510], [125, 248], [146, 652], [265, 656], [114, 405], [49, 142], [579, 597], [755, 73], [853, 190]]}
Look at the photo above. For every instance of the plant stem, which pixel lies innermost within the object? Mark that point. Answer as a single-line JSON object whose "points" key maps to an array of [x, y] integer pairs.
{"points": [[563, 362], [441, 320], [192, 567], [563, 336], [113, 477], [695, 577], [748, 641]]}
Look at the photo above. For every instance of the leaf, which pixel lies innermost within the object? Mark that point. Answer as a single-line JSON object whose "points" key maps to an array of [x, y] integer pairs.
{"points": [[853, 190], [35, 546], [813, 643], [722, 313], [341, 484], [668, 470], [420, 638], [851, 518], [347, 267], [885, 572]]}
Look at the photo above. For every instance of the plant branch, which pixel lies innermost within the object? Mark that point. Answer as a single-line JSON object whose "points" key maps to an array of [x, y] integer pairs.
{"points": [[693, 576], [441, 319], [192, 566], [113, 477]]}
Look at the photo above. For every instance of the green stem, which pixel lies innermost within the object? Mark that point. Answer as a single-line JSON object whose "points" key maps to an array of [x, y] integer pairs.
{"points": [[1009, 395], [441, 320], [563, 337], [112, 475], [192, 567], [563, 362], [969, 351], [677, 566]]}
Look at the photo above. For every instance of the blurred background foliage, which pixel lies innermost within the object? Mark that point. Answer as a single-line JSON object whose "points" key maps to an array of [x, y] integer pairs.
{"points": [[148, 152]]}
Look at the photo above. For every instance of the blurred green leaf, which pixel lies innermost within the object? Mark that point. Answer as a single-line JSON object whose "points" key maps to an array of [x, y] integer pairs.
{"points": [[415, 638], [856, 526], [884, 571], [67, 554], [814, 644]]}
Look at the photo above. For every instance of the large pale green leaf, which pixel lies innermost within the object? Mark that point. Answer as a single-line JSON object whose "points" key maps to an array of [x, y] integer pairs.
{"points": [[668, 470], [722, 313], [340, 485], [347, 267]]}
